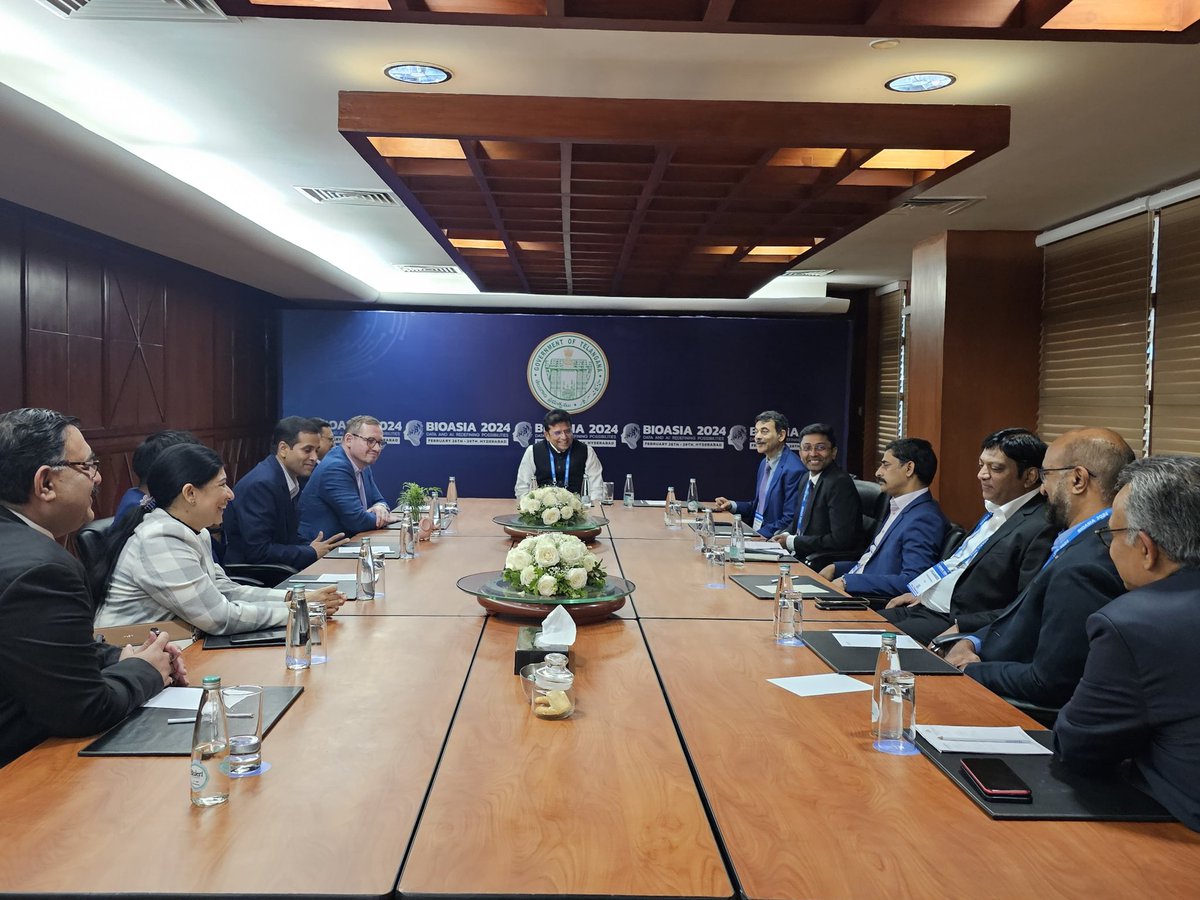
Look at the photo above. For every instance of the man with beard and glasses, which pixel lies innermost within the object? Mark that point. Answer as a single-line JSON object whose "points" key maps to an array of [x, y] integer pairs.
{"points": [[1035, 650]]}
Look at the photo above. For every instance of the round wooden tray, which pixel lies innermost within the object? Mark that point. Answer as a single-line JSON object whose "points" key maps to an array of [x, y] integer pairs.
{"points": [[582, 613], [499, 599], [587, 535]]}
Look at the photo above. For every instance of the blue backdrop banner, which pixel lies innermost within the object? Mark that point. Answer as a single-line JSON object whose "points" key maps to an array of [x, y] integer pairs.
{"points": [[662, 398]]}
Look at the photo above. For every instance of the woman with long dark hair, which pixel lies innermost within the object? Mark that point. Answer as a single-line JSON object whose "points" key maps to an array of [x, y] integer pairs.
{"points": [[158, 563]]}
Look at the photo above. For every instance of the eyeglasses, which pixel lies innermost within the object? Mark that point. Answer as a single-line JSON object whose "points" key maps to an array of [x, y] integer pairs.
{"points": [[1106, 534], [814, 448], [373, 443], [88, 467], [1042, 472]]}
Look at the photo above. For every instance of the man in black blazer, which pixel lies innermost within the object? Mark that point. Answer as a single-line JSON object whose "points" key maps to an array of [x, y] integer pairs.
{"points": [[55, 679], [830, 516], [1035, 650], [262, 522], [1137, 698], [1001, 555]]}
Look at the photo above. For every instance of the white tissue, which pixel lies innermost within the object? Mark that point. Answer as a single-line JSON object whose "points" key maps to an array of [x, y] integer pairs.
{"points": [[558, 630]]}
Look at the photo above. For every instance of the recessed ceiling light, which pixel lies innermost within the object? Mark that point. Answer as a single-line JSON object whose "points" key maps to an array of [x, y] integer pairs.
{"points": [[917, 82], [418, 73], [885, 44]]}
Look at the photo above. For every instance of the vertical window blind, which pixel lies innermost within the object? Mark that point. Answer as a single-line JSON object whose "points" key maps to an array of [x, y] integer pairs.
{"points": [[1094, 331], [890, 426], [1175, 397]]}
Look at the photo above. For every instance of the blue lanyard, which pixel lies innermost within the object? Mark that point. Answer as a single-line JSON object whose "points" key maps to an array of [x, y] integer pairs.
{"points": [[1070, 534], [808, 486], [966, 562], [566, 469]]}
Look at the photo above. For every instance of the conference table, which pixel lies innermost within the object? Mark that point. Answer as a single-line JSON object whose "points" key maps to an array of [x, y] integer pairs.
{"points": [[410, 765]]}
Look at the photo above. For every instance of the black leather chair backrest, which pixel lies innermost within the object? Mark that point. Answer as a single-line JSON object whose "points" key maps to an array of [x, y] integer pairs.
{"points": [[954, 537], [89, 541], [874, 505]]}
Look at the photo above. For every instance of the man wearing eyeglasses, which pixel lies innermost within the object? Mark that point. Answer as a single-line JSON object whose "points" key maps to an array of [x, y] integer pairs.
{"points": [[55, 679], [341, 496], [830, 517], [1137, 698], [1035, 650]]}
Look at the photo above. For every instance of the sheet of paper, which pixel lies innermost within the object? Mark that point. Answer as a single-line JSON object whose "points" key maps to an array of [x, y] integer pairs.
{"points": [[327, 578], [979, 740], [808, 589], [376, 549], [766, 547], [655, 502], [820, 685], [873, 639], [176, 698]]}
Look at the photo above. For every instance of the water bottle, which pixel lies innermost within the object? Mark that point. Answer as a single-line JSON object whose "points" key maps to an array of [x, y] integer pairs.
{"points": [[737, 544], [629, 490], [785, 629], [210, 747], [888, 661], [585, 495], [298, 652], [693, 500], [452, 496], [366, 571], [671, 509]]}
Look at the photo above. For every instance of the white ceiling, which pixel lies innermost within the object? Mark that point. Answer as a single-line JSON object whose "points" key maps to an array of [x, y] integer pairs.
{"points": [[187, 138]]}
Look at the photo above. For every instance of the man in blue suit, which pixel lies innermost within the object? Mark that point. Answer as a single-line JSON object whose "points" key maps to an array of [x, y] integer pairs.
{"points": [[909, 539], [776, 502], [342, 495], [1137, 699], [262, 524]]}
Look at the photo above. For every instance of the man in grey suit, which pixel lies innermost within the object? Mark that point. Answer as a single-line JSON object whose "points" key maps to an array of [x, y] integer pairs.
{"points": [[55, 679], [1137, 699], [1002, 554]]}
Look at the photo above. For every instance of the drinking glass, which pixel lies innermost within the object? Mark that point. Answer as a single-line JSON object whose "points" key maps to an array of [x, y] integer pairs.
{"points": [[897, 713], [244, 708]]}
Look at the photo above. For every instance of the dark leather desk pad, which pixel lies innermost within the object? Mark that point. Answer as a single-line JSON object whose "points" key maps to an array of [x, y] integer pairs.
{"points": [[145, 732], [861, 660], [1058, 792], [763, 587]]}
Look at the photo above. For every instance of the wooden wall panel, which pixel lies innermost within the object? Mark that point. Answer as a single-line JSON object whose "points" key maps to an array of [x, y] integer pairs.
{"points": [[131, 343]]}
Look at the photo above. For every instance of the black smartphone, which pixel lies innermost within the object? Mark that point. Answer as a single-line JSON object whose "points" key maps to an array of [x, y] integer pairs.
{"points": [[995, 780], [842, 603]]}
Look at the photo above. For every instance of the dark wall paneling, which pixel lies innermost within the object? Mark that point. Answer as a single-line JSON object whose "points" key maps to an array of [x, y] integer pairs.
{"points": [[131, 342]]}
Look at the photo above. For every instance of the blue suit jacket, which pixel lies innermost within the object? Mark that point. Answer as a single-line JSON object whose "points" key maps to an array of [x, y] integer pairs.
{"points": [[262, 524], [783, 495], [329, 502], [1137, 697], [1036, 649], [912, 545]]}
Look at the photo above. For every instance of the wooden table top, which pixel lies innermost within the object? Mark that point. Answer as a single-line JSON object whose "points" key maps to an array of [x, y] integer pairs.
{"points": [[599, 804], [806, 807], [351, 761]]}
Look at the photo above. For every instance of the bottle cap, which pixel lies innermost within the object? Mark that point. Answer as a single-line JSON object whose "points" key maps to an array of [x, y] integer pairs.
{"points": [[212, 681]]}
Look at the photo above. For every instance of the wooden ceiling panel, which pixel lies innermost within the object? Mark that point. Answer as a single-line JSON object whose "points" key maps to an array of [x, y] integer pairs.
{"points": [[1161, 21], [652, 197]]}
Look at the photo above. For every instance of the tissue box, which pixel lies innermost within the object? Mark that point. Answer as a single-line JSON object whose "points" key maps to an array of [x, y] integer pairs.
{"points": [[529, 652]]}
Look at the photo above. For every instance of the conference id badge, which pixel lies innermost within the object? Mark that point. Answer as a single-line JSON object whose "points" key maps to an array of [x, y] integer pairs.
{"points": [[758, 520], [928, 579]]}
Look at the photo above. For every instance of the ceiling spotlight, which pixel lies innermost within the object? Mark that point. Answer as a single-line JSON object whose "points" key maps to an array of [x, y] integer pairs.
{"points": [[885, 44], [418, 73], [918, 82]]}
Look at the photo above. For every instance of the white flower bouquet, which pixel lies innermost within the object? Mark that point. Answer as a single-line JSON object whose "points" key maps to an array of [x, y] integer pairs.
{"points": [[553, 565], [553, 506]]}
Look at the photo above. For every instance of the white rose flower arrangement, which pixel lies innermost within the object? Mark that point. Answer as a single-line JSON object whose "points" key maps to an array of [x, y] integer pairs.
{"points": [[553, 565], [552, 506]]}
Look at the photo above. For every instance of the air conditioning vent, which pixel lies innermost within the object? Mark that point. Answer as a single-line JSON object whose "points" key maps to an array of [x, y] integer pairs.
{"points": [[808, 273], [157, 10], [947, 205], [429, 270], [349, 197]]}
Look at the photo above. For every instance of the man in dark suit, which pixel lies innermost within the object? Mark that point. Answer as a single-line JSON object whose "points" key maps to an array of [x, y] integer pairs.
{"points": [[262, 523], [55, 679], [830, 516], [909, 539], [776, 501], [341, 496], [1035, 650], [1001, 555], [1137, 698]]}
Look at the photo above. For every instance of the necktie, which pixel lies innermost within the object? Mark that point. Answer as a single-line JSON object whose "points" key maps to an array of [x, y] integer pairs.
{"points": [[362, 494], [762, 489], [808, 486]]}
